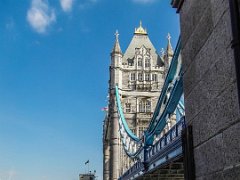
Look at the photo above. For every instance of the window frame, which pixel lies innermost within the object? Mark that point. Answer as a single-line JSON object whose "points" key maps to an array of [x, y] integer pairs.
{"points": [[147, 62], [147, 77], [140, 75], [132, 76], [128, 108], [140, 61]]}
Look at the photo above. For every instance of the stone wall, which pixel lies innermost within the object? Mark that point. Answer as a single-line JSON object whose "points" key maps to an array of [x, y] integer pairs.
{"points": [[210, 88]]}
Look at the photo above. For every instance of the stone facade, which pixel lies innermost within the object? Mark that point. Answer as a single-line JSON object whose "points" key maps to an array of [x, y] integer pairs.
{"points": [[139, 74], [210, 88]]}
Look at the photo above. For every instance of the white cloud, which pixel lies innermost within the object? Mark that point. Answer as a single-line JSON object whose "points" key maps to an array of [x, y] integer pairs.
{"points": [[40, 15], [66, 5], [143, 1], [8, 175]]}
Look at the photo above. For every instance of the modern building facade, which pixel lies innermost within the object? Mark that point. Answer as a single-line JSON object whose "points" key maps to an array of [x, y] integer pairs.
{"points": [[139, 74]]}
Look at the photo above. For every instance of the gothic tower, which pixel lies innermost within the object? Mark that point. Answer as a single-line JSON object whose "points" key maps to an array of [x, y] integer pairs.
{"points": [[139, 74]]}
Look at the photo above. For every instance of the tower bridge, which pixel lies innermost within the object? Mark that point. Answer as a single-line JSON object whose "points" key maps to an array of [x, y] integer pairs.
{"points": [[191, 137]]}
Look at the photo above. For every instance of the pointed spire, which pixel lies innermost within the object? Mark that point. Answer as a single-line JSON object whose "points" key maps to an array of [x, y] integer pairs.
{"points": [[116, 47], [169, 49]]}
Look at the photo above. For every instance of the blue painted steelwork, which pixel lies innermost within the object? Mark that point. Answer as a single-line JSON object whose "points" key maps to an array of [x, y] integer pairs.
{"points": [[131, 143], [166, 149], [170, 101], [120, 112], [173, 85]]}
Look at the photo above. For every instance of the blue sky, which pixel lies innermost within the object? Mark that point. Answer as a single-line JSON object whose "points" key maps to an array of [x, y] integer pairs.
{"points": [[54, 58]]}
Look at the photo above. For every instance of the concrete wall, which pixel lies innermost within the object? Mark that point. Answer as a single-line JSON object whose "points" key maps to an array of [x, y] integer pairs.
{"points": [[210, 88]]}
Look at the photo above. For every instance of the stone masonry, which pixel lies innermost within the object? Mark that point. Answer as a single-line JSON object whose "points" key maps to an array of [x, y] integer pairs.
{"points": [[210, 89]]}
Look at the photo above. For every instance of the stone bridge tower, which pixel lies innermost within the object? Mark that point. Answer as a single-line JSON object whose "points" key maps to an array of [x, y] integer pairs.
{"points": [[139, 74]]}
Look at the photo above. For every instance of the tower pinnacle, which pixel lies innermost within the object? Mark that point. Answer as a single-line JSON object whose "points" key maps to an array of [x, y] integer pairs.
{"points": [[169, 49], [116, 47], [140, 29], [116, 35]]}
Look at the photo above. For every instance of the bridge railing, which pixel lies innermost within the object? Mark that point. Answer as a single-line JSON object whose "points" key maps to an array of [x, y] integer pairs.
{"points": [[165, 149], [171, 136]]}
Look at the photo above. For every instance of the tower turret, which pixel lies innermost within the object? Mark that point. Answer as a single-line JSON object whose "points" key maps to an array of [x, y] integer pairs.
{"points": [[115, 79], [116, 63], [168, 55], [169, 50], [116, 47]]}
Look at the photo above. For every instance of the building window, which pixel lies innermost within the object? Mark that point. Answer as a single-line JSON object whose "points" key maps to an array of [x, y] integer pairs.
{"points": [[154, 77], [147, 62], [141, 131], [141, 106], [145, 106], [140, 77], [132, 76], [148, 106], [128, 107], [147, 77], [140, 62]]}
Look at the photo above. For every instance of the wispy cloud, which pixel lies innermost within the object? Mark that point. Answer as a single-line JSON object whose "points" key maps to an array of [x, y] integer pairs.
{"points": [[66, 5], [8, 175], [40, 16], [143, 1], [87, 3], [10, 24]]}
